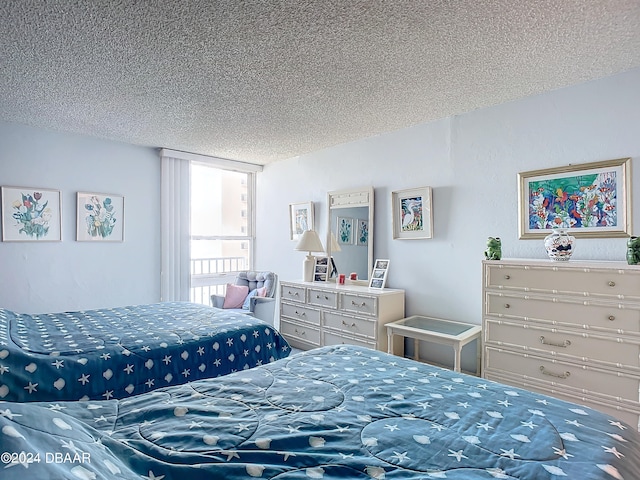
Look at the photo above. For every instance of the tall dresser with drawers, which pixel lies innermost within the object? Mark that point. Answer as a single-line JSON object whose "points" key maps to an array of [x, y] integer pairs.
{"points": [[567, 329], [314, 314]]}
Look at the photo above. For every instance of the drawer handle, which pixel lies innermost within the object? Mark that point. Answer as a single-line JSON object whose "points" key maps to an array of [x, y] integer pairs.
{"points": [[325, 297], [612, 284], [507, 277], [295, 294], [506, 305], [347, 325], [611, 317], [363, 304], [300, 333], [300, 314], [563, 344], [553, 374]]}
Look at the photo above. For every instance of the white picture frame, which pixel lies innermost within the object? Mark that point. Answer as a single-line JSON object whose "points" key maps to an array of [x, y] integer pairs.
{"points": [[100, 217], [412, 213], [378, 277], [31, 214], [300, 219]]}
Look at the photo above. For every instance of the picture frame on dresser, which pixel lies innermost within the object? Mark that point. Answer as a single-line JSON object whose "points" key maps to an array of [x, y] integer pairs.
{"points": [[31, 214], [379, 274], [587, 200]]}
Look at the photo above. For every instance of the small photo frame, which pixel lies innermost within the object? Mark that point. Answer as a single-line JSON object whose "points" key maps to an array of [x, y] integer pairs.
{"points": [[300, 219], [378, 277], [345, 231], [362, 232], [100, 217], [321, 269], [412, 213], [31, 215]]}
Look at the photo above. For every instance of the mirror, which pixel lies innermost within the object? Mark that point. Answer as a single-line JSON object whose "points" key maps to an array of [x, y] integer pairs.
{"points": [[350, 232]]}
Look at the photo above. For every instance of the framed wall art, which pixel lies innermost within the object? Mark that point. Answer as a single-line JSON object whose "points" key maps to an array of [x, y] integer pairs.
{"points": [[362, 232], [345, 230], [587, 200], [300, 219], [412, 213], [378, 277], [100, 217], [31, 215]]}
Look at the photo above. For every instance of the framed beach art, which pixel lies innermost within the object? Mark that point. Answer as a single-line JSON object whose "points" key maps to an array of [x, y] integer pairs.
{"points": [[100, 217], [412, 213], [300, 219], [31, 215], [586, 200]]}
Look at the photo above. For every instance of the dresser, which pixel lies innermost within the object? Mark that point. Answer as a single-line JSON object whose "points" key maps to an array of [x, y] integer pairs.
{"points": [[567, 329], [314, 314]]}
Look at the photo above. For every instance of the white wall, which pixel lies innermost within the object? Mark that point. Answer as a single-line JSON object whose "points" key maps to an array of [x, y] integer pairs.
{"points": [[69, 275], [472, 162]]}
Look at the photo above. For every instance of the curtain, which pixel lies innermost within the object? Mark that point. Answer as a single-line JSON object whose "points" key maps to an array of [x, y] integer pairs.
{"points": [[175, 229]]}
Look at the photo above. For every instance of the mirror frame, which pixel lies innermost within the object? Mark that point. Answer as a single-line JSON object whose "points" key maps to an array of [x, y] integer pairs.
{"points": [[357, 197]]}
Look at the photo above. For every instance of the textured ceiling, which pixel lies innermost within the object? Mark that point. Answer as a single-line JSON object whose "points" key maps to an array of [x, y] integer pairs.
{"points": [[260, 81]]}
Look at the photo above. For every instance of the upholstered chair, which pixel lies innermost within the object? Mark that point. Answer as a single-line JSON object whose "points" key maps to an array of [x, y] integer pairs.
{"points": [[260, 306]]}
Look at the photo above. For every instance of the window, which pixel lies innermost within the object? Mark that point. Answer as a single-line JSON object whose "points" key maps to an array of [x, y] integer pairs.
{"points": [[222, 226]]}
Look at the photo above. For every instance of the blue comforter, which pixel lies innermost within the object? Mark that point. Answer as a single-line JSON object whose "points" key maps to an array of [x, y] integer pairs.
{"points": [[332, 413], [119, 352]]}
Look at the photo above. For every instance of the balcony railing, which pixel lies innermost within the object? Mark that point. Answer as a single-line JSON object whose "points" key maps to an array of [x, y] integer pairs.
{"points": [[210, 276]]}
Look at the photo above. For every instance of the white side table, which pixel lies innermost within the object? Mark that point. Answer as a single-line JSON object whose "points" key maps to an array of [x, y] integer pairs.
{"points": [[436, 330]]}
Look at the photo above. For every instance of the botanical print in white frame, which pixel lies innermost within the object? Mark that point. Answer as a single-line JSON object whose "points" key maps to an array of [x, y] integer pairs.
{"points": [[345, 231], [362, 232], [378, 277], [300, 219], [31, 215], [100, 217]]}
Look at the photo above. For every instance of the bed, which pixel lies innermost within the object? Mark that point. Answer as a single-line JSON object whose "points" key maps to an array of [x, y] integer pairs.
{"points": [[118, 352], [335, 412]]}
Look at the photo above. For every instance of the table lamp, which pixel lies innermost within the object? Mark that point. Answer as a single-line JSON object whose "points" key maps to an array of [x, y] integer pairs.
{"points": [[309, 242]]}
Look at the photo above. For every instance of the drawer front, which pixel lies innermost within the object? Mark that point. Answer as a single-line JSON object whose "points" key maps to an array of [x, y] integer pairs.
{"points": [[300, 312], [559, 373], [361, 304], [600, 315], [353, 325], [330, 338], [293, 330], [322, 298], [292, 292], [615, 283], [565, 343]]}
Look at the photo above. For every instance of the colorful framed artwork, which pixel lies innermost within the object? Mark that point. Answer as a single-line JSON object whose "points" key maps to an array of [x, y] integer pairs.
{"points": [[300, 219], [412, 213], [100, 217], [345, 231], [378, 277], [586, 200], [362, 232], [31, 215]]}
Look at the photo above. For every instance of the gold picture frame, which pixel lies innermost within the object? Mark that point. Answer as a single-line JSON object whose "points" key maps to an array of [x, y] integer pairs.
{"points": [[587, 200]]}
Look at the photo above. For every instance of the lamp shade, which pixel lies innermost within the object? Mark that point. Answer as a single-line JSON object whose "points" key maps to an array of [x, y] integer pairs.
{"points": [[310, 242], [335, 246]]}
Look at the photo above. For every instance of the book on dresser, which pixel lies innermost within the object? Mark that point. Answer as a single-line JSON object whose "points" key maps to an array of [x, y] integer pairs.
{"points": [[314, 314], [566, 329]]}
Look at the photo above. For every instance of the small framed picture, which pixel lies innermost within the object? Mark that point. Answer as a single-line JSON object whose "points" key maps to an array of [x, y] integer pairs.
{"points": [[321, 269], [378, 277], [362, 232], [100, 217], [31, 215], [300, 219], [412, 213], [345, 231]]}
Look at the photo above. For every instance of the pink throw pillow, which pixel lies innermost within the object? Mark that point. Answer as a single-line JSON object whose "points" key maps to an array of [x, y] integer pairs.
{"points": [[261, 292], [235, 295]]}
